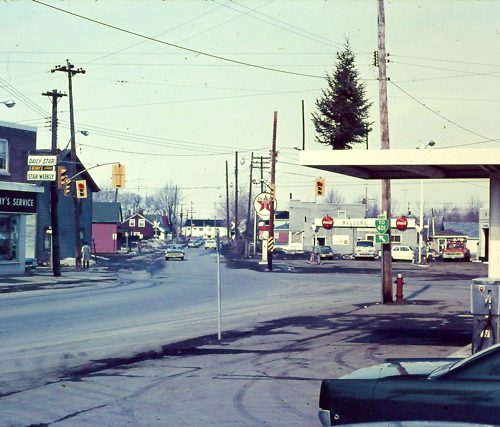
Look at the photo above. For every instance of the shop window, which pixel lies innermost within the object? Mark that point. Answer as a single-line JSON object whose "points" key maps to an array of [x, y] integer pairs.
{"points": [[141, 222], [9, 237], [131, 222], [4, 155], [370, 237]]}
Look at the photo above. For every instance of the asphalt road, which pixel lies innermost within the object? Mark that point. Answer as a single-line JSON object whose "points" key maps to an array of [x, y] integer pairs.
{"points": [[143, 351]]}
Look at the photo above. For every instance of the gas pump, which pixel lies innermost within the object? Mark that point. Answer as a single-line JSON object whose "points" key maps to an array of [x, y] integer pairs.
{"points": [[485, 308]]}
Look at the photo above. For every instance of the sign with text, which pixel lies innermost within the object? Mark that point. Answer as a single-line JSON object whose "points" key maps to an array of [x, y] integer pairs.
{"points": [[382, 225], [327, 222], [402, 223], [42, 160], [17, 201], [42, 173]]}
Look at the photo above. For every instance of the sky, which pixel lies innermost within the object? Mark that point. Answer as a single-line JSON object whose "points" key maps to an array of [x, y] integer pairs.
{"points": [[160, 96]]}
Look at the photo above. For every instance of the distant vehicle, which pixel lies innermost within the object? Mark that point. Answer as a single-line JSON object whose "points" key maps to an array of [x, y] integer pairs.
{"points": [[325, 252], [456, 251], [402, 253], [30, 263], [210, 244], [443, 390], [195, 243], [365, 249], [174, 252]]}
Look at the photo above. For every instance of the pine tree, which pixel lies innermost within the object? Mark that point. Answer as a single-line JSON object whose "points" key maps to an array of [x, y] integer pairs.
{"points": [[342, 112]]}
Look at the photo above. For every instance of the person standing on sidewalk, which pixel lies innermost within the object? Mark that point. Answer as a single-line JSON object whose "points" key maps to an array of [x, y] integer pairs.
{"points": [[86, 255]]}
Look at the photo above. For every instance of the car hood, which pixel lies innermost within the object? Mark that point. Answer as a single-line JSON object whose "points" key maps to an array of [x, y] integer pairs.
{"points": [[397, 368]]}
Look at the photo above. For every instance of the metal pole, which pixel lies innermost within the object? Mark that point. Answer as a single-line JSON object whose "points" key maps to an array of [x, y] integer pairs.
{"points": [[236, 219], [386, 183], [421, 234], [247, 227], [303, 128], [228, 225], [219, 299]]}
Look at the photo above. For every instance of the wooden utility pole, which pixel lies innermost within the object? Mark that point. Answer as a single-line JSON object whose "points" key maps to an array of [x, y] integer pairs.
{"points": [[70, 70], [270, 241], [384, 126], [248, 234], [228, 219], [303, 128], [54, 192], [236, 219]]}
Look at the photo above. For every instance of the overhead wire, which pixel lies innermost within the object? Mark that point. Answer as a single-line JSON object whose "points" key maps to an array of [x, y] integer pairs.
{"points": [[177, 46]]}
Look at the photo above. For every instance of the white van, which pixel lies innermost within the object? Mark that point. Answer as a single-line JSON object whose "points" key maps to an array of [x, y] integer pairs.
{"points": [[365, 249]]}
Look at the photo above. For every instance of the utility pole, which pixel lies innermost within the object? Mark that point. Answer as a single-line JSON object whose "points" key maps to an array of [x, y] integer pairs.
{"points": [[247, 228], [270, 241], [236, 219], [54, 192], [71, 71], [386, 183], [303, 128], [228, 224]]}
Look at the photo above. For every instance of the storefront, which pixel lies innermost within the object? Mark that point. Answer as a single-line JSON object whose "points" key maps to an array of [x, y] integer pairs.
{"points": [[17, 201]]}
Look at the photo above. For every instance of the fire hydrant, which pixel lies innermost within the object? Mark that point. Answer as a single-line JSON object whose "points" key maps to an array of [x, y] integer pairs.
{"points": [[399, 288]]}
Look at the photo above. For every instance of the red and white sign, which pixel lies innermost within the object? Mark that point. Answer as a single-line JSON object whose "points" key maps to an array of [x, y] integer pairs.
{"points": [[402, 223], [263, 203], [327, 222]]}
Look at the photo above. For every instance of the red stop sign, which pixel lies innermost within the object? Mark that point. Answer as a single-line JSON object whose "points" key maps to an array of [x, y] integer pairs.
{"points": [[402, 223], [327, 222]]}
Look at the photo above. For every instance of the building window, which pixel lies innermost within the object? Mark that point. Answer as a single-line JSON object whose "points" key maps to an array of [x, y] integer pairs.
{"points": [[131, 222], [395, 238], [141, 222], [9, 237], [341, 214], [370, 237], [4, 155]]}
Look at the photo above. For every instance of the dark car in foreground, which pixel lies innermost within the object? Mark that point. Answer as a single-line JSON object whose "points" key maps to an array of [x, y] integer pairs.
{"points": [[442, 390]]}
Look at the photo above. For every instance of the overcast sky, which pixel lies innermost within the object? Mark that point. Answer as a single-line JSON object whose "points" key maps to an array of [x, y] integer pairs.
{"points": [[176, 115]]}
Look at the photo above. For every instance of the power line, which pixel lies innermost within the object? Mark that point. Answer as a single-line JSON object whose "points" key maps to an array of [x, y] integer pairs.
{"points": [[198, 52]]}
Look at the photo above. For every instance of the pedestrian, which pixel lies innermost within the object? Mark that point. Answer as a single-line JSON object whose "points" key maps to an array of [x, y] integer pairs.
{"points": [[86, 255]]}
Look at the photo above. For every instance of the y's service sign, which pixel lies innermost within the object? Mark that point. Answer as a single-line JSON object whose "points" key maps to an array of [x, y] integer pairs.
{"points": [[17, 201]]}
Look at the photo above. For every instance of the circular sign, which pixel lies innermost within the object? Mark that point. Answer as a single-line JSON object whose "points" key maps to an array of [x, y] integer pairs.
{"points": [[402, 223], [327, 222], [263, 203]]}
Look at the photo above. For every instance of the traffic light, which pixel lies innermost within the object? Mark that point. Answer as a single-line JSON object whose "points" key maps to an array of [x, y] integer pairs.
{"points": [[320, 186], [81, 189], [67, 187], [118, 176], [62, 176]]}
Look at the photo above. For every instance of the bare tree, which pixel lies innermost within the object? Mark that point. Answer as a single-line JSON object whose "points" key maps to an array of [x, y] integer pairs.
{"points": [[131, 202], [105, 195], [334, 196]]}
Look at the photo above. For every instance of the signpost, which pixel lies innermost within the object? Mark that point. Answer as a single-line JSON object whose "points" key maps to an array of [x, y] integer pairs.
{"points": [[262, 205], [42, 168], [382, 238], [382, 225]]}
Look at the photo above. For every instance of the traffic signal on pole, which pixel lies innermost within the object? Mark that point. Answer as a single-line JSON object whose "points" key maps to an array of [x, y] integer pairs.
{"points": [[320, 186], [81, 189], [62, 176], [67, 187], [118, 176]]}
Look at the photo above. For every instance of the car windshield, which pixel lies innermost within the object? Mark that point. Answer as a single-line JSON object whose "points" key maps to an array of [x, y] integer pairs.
{"points": [[365, 244]]}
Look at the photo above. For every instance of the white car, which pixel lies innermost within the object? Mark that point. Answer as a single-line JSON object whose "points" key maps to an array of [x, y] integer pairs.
{"points": [[210, 244], [174, 252], [402, 253], [365, 249]]}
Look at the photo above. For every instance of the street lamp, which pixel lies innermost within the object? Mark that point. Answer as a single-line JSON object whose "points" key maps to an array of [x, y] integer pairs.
{"points": [[421, 237], [83, 132], [9, 103]]}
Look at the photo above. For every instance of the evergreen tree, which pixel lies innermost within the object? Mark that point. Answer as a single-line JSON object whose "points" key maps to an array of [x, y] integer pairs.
{"points": [[342, 112]]}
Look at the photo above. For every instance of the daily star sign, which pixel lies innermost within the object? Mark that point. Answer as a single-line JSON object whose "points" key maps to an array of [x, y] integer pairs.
{"points": [[327, 222], [402, 223]]}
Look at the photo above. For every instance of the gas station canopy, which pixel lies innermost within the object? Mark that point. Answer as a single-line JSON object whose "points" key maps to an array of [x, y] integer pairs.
{"points": [[421, 164], [406, 164]]}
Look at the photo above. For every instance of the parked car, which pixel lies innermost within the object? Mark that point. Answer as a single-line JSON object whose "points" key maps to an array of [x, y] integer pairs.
{"points": [[194, 243], [174, 252], [426, 390], [402, 253], [210, 244], [365, 249], [456, 251], [325, 252]]}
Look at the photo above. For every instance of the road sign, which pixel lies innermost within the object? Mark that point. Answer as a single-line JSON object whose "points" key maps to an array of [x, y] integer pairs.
{"points": [[402, 223], [327, 222], [382, 225], [42, 160], [42, 175], [382, 238]]}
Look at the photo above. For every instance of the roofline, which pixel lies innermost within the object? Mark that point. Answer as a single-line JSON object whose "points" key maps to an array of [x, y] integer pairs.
{"points": [[18, 126]]}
